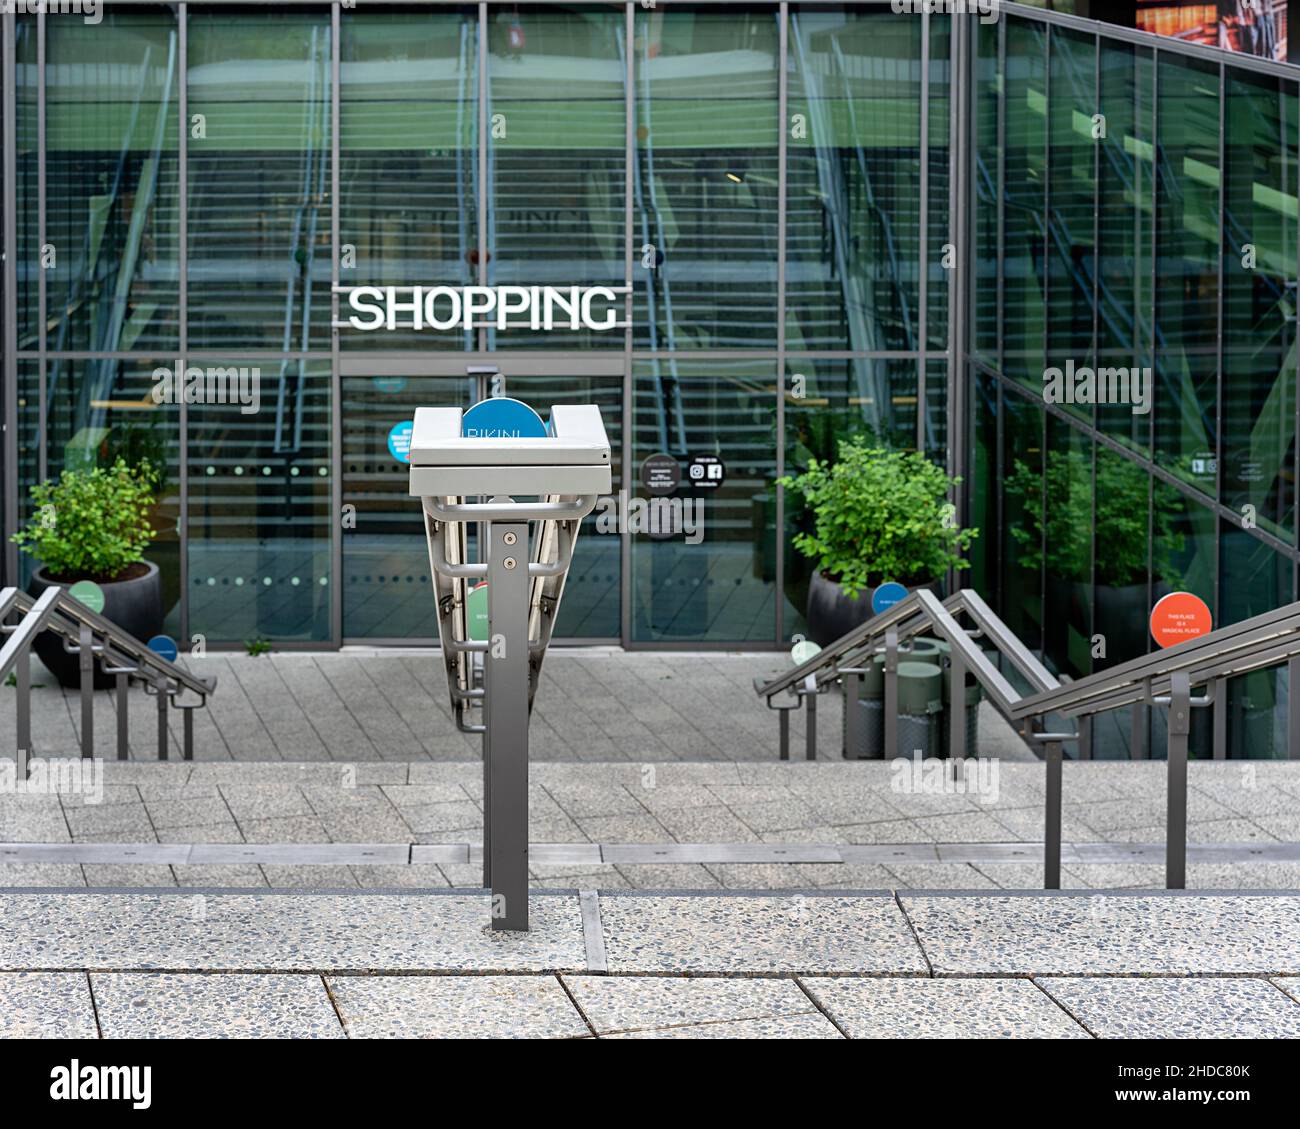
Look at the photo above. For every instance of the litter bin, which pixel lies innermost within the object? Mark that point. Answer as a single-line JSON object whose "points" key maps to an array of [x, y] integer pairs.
{"points": [[920, 707], [974, 694], [870, 743]]}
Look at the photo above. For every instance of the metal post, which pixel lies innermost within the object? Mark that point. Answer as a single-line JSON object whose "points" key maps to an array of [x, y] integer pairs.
{"points": [[852, 683], [1293, 709], [188, 714], [891, 695], [785, 734], [86, 664], [160, 688], [505, 678], [810, 707], [957, 709], [1137, 735], [1052, 822], [1180, 725], [123, 740], [23, 683], [1219, 716], [1085, 738]]}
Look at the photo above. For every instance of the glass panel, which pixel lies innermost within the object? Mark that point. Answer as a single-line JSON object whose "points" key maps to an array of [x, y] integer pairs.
{"points": [[1254, 579], [1124, 198], [1187, 270], [1122, 546], [1071, 209], [260, 514], [408, 171], [854, 181], [1067, 549], [27, 169], [708, 583], [1026, 158], [1259, 270], [938, 163], [99, 411], [1021, 579], [983, 486], [706, 176], [112, 177], [936, 410], [259, 183], [987, 105], [558, 161], [29, 450]]}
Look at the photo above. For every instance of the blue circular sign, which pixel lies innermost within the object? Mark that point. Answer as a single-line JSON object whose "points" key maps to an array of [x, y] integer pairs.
{"points": [[502, 418], [399, 441], [887, 595], [164, 646], [388, 383]]}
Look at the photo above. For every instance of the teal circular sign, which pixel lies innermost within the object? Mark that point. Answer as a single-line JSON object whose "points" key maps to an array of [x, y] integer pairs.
{"points": [[476, 613], [502, 418], [89, 593], [803, 650], [887, 595], [399, 441]]}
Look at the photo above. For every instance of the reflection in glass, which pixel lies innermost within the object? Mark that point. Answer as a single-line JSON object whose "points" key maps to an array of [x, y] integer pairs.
{"points": [[408, 130], [259, 183], [719, 587], [705, 178]]}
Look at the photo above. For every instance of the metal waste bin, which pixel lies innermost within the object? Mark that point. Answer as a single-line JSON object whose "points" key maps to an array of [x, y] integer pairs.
{"points": [[974, 695], [869, 741], [920, 707]]}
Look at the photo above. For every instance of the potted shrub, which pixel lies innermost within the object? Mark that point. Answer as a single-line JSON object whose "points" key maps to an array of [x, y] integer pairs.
{"points": [[878, 515], [93, 524]]}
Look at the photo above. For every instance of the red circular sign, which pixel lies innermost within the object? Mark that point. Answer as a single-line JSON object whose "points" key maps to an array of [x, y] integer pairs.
{"points": [[1178, 617]]}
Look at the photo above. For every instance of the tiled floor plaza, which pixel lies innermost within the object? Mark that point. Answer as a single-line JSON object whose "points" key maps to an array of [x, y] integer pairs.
{"points": [[315, 871]]}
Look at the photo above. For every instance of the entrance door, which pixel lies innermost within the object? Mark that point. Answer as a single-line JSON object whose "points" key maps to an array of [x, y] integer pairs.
{"points": [[387, 592]]}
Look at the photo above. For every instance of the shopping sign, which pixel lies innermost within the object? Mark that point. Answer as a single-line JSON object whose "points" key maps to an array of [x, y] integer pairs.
{"points": [[446, 308], [1178, 617]]}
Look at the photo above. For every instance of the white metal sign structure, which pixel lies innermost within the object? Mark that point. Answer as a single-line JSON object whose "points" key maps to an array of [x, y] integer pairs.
{"points": [[527, 497]]}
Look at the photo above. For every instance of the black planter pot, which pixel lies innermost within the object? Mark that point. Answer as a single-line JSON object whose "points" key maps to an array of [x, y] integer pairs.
{"points": [[135, 605], [831, 613]]}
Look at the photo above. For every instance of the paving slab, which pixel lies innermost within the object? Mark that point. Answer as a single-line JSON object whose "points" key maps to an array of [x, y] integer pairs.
{"points": [[273, 932], [812, 1025], [456, 1007], [1100, 934], [636, 1003], [46, 1005], [1178, 1007], [892, 1008], [147, 1005], [762, 934]]}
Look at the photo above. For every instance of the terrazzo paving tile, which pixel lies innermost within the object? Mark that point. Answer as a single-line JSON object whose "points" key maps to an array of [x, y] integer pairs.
{"points": [[456, 1007], [41, 874], [289, 829], [1178, 1007], [812, 1025], [1244, 876], [1290, 985], [892, 1008], [219, 875], [325, 877], [120, 821], [1099, 934], [643, 828], [822, 933], [284, 932], [213, 833], [419, 876], [46, 1005], [938, 876], [150, 1005], [457, 815], [962, 827], [128, 874], [631, 1003], [198, 811], [668, 876]]}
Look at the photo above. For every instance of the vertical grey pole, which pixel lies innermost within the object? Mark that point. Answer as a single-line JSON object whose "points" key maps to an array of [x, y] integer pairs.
{"points": [[188, 715], [505, 680], [785, 734], [123, 742], [1293, 709], [1052, 822], [891, 695], [1085, 738], [957, 709], [86, 663], [1137, 732], [1219, 716], [810, 705], [852, 682], [160, 687], [23, 682], [1180, 715]]}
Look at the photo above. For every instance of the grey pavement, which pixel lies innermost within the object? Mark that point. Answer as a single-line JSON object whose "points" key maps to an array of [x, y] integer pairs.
{"points": [[814, 964]]}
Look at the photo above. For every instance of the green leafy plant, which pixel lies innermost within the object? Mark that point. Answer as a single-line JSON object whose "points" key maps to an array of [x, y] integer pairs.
{"points": [[257, 647], [879, 514], [1119, 523], [90, 524]]}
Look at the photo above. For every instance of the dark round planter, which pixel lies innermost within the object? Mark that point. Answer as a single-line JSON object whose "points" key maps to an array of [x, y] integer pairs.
{"points": [[831, 613], [135, 605]]}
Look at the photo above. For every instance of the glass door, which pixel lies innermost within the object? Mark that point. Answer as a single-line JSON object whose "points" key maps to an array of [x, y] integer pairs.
{"points": [[387, 591]]}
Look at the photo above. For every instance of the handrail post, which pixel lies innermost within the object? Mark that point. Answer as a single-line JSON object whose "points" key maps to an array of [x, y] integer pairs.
{"points": [[852, 682], [957, 711], [785, 733], [1292, 709], [1052, 820], [86, 663], [810, 704], [891, 695], [1180, 727], [123, 728], [23, 683], [160, 688]]}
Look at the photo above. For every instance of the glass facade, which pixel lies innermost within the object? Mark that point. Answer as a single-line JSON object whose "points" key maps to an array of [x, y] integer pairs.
{"points": [[759, 182], [775, 193], [1134, 208]]}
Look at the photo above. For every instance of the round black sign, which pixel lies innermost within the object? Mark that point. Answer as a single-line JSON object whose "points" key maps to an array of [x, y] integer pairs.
{"points": [[660, 475]]}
